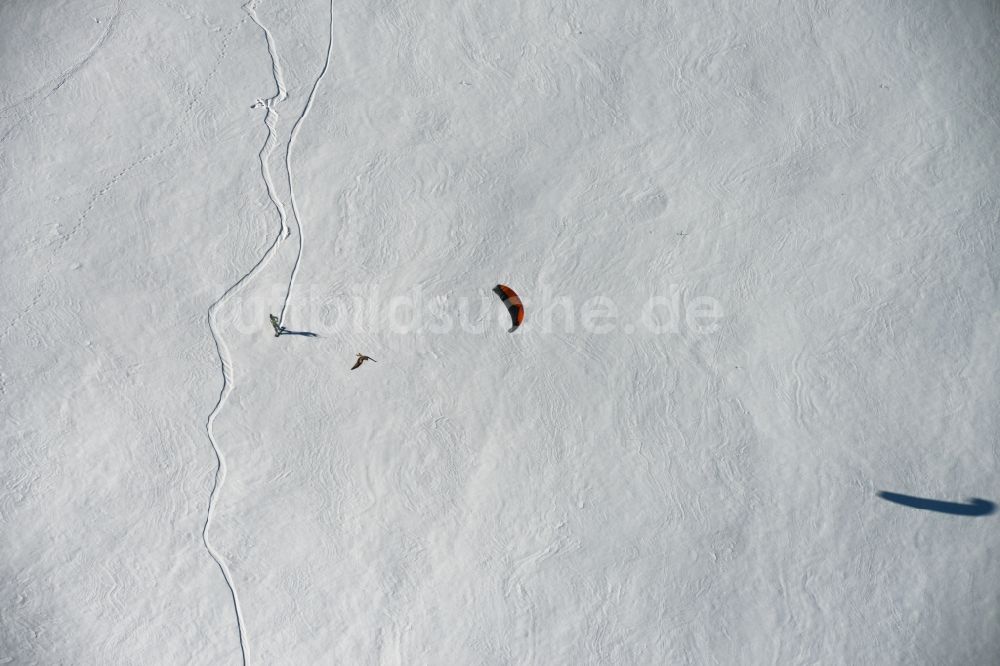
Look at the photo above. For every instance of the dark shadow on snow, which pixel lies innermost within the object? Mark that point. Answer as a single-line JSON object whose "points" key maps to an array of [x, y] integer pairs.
{"points": [[975, 507], [305, 334]]}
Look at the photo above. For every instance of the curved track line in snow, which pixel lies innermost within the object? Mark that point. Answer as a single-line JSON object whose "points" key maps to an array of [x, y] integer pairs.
{"points": [[221, 349], [270, 118], [57, 82], [288, 168]]}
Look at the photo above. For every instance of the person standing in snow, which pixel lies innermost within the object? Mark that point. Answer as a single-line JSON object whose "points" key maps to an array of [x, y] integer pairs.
{"points": [[278, 328]]}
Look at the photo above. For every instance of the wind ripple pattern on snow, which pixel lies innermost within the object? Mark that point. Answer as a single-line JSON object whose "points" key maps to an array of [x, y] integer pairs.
{"points": [[65, 236]]}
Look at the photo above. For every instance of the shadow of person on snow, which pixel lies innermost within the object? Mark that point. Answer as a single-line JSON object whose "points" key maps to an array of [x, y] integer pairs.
{"points": [[975, 507], [305, 334]]}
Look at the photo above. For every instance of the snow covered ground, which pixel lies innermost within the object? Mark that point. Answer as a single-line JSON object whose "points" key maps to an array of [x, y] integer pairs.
{"points": [[758, 246]]}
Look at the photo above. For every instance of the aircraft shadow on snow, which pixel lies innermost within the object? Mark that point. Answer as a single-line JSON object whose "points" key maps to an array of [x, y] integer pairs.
{"points": [[975, 506]]}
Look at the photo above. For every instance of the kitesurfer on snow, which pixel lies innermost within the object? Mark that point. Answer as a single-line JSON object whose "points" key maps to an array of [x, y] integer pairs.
{"points": [[278, 328]]}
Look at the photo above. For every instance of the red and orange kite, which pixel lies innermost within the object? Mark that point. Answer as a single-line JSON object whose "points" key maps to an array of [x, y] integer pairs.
{"points": [[513, 303]]}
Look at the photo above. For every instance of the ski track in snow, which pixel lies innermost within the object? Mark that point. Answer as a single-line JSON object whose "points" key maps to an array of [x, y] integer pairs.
{"points": [[288, 167], [225, 359]]}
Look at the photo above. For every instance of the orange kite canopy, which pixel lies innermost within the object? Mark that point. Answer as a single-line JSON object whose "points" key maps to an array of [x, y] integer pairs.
{"points": [[513, 303]]}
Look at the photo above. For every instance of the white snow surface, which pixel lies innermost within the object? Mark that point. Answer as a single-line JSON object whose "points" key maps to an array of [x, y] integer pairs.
{"points": [[825, 173]]}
